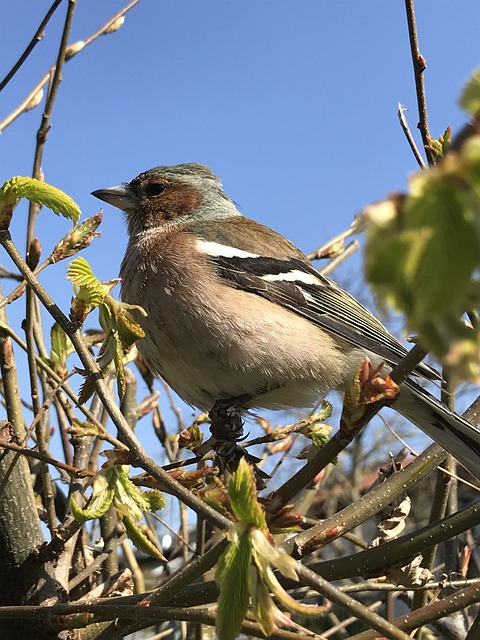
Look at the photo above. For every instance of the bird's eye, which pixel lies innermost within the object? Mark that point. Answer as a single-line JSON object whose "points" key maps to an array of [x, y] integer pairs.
{"points": [[155, 189]]}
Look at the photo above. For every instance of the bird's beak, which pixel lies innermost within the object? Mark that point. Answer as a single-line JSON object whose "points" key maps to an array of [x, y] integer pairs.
{"points": [[116, 196]]}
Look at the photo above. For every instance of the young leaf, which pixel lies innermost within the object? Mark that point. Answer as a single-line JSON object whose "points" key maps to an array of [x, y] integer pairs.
{"points": [[89, 288], [99, 502], [243, 496], [61, 348], [42, 193], [470, 98], [233, 577], [132, 501], [139, 535], [77, 238]]}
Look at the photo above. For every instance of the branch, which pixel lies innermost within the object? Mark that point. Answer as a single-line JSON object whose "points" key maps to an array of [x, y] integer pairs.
{"points": [[139, 456], [434, 611], [376, 559], [331, 450], [24, 105], [39, 35], [408, 134], [368, 505], [419, 66]]}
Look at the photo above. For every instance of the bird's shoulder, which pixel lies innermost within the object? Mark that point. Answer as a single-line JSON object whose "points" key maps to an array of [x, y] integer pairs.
{"points": [[245, 235]]}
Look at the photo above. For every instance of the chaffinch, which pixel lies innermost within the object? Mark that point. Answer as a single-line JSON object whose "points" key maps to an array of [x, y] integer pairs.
{"points": [[237, 314]]}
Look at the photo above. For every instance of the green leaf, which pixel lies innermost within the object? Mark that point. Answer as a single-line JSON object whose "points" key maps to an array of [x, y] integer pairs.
{"points": [[87, 389], [263, 607], [141, 537], [43, 194], [61, 347], [243, 496], [155, 499], [232, 576], [128, 329], [470, 98], [423, 257], [119, 369], [440, 210], [99, 502], [146, 500], [89, 288]]}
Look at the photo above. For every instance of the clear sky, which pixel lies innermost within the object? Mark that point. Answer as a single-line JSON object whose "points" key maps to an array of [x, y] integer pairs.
{"points": [[292, 103]]}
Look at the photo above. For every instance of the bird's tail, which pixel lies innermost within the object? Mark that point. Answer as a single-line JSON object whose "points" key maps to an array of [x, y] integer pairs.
{"points": [[452, 432]]}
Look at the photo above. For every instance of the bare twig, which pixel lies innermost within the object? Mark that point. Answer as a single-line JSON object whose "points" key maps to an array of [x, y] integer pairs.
{"points": [[375, 560], [331, 450], [38, 36], [31, 453], [324, 251], [368, 505], [139, 456], [408, 134], [23, 106], [419, 66], [373, 620], [335, 262], [434, 611]]}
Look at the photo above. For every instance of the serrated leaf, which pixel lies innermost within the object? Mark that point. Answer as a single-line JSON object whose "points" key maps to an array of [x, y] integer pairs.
{"points": [[243, 496], [122, 320], [138, 534], [60, 348], [155, 499], [128, 329], [98, 504], [87, 389], [144, 499], [470, 97], [119, 369], [232, 576], [89, 288], [43, 194]]}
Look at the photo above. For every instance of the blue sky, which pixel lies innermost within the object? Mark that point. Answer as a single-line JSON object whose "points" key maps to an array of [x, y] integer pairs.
{"points": [[292, 103]]}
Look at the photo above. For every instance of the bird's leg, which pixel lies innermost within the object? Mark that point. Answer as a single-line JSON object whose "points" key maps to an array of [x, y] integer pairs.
{"points": [[227, 430], [226, 417]]}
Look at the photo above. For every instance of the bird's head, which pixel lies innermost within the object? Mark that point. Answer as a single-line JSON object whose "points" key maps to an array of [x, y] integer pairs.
{"points": [[169, 195]]}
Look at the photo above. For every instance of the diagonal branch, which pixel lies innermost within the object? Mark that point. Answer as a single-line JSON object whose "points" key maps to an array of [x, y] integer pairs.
{"points": [[39, 34]]}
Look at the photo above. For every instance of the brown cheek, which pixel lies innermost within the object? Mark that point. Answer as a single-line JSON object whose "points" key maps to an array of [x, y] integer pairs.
{"points": [[179, 201]]}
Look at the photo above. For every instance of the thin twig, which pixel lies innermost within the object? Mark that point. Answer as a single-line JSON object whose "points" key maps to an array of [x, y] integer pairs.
{"points": [[335, 262], [408, 134], [434, 611], [39, 35], [44, 128], [97, 562], [139, 456], [43, 81], [352, 606], [376, 560], [419, 66], [368, 505], [324, 251], [43, 457], [335, 446]]}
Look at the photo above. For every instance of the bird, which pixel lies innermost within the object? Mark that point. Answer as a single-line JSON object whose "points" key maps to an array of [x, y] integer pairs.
{"points": [[239, 319]]}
